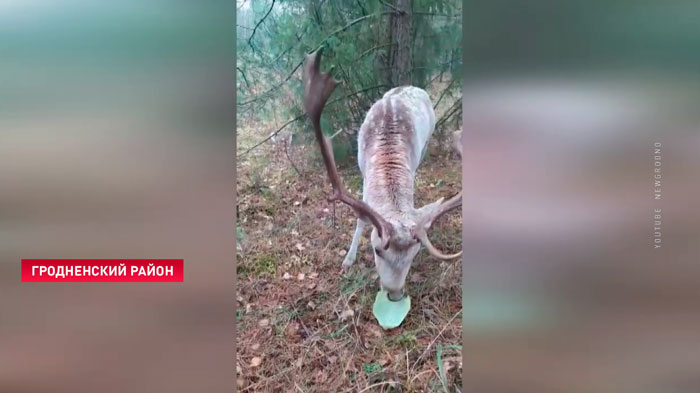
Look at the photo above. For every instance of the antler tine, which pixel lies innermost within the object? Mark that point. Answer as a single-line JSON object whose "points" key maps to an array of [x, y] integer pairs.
{"points": [[318, 86], [421, 231]]}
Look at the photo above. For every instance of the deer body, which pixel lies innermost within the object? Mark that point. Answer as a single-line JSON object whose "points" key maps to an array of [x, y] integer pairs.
{"points": [[392, 141], [391, 144]]}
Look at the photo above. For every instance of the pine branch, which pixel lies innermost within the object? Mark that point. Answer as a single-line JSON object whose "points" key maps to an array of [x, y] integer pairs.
{"points": [[340, 30]]}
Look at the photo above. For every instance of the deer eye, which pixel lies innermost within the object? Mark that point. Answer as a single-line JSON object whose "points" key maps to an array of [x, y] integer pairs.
{"points": [[379, 251]]}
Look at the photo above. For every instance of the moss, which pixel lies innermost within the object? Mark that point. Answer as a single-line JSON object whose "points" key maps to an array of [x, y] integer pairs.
{"points": [[265, 265]]}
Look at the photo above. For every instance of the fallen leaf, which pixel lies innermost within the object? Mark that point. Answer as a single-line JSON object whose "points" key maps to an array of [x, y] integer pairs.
{"points": [[313, 275], [347, 314], [342, 253], [255, 347], [286, 276], [311, 305], [255, 362], [300, 247], [375, 331], [301, 276], [417, 277], [264, 322], [292, 331]]}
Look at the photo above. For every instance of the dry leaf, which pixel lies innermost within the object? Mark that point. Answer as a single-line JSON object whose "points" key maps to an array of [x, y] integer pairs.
{"points": [[255, 347], [347, 314], [264, 322], [374, 330], [300, 247], [313, 275], [286, 276], [255, 362], [311, 305], [301, 276], [292, 331], [342, 253], [417, 277]]}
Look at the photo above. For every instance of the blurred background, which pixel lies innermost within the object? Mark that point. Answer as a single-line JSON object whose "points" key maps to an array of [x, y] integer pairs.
{"points": [[563, 288], [116, 141]]}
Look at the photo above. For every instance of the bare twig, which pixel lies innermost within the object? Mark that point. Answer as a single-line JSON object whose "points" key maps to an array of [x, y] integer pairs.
{"points": [[356, 93], [286, 151], [443, 92], [434, 14], [303, 115], [435, 339], [258, 24], [451, 111], [244, 78], [377, 384], [273, 134], [368, 51], [398, 10]]}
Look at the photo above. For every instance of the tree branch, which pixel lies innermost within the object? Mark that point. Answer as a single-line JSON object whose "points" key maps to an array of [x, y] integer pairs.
{"points": [[356, 93], [443, 92], [396, 9], [350, 24], [258, 24], [244, 78], [273, 134], [455, 108], [304, 115]]}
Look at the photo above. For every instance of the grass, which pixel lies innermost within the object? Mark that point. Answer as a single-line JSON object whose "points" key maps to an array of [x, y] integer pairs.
{"points": [[289, 273]]}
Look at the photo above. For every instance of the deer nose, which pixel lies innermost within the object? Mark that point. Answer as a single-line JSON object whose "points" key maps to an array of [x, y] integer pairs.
{"points": [[395, 296]]}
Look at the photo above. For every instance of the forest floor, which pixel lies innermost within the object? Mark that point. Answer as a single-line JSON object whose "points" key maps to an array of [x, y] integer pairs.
{"points": [[304, 325]]}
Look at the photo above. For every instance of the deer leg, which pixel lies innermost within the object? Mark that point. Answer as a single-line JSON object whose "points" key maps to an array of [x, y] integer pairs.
{"points": [[352, 252]]}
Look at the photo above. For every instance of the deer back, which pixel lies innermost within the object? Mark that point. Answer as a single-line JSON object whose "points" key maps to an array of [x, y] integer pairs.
{"points": [[396, 130]]}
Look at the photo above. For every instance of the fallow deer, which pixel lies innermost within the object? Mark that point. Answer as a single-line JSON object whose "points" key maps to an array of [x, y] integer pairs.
{"points": [[392, 142]]}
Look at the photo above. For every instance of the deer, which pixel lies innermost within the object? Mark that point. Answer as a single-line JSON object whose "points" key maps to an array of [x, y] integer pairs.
{"points": [[392, 142]]}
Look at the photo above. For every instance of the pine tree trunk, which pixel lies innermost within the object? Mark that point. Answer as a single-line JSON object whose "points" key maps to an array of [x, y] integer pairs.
{"points": [[400, 25]]}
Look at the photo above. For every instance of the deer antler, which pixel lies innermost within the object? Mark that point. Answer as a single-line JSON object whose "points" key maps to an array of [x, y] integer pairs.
{"points": [[421, 230], [318, 86]]}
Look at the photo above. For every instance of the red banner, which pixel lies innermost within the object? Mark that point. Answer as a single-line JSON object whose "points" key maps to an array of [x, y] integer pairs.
{"points": [[102, 270]]}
